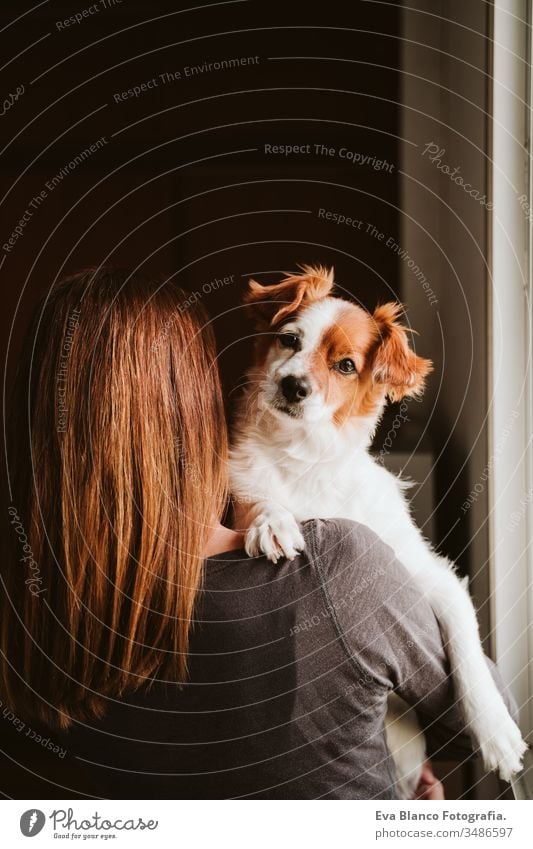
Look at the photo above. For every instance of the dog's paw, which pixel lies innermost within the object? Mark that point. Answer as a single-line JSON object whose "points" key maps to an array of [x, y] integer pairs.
{"points": [[274, 533], [503, 748]]}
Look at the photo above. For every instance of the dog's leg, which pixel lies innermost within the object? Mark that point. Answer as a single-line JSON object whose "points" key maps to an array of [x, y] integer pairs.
{"points": [[484, 711], [488, 720]]}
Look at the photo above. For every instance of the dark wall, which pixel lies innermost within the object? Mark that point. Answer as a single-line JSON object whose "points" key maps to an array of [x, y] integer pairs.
{"points": [[182, 182]]}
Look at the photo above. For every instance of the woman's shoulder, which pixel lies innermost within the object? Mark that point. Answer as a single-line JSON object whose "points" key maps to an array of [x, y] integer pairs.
{"points": [[373, 600], [343, 546], [350, 559]]}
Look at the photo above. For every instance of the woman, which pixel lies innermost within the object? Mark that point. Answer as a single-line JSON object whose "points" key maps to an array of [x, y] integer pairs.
{"points": [[133, 625]]}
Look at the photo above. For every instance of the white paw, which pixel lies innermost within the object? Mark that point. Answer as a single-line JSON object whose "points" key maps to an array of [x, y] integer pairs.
{"points": [[501, 745], [274, 533]]}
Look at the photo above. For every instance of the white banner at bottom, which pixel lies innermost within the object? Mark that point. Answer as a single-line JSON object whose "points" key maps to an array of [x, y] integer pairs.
{"points": [[262, 824]]}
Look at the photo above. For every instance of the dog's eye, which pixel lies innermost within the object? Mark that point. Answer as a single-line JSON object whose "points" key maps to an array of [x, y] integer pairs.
{"points": [[288, 340], [346, 366]]}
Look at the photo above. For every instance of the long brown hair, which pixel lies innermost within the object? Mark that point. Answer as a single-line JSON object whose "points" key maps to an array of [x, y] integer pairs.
{"points": [[119, 468]]}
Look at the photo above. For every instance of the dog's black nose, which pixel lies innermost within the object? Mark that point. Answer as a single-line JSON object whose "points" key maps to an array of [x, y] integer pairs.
{"points": [[295, 388]]}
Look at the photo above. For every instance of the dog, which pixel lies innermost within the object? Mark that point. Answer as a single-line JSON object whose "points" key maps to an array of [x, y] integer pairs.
{"points": [[324, 369]]}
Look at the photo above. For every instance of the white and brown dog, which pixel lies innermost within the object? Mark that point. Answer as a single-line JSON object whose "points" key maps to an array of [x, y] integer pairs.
{"points": [[323, 372]]}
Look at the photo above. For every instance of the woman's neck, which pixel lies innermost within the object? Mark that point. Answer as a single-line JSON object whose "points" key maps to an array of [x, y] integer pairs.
{"points": [[223, 539]]}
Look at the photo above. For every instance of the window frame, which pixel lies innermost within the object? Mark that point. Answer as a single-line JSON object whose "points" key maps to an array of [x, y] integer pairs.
{"points": [[510, 378]]}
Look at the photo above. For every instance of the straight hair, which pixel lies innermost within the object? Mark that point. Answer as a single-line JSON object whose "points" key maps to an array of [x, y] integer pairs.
{"points": [[119, 458]]}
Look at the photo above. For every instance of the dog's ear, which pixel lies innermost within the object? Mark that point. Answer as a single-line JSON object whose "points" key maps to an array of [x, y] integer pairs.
{"points": [[395, 365], [270, 304]]}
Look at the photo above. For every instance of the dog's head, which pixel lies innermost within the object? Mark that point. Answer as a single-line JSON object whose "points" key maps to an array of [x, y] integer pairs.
{"points": [[321, 358]]}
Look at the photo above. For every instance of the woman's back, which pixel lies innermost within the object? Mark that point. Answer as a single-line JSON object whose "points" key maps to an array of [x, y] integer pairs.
{"points": [[289, 670]]}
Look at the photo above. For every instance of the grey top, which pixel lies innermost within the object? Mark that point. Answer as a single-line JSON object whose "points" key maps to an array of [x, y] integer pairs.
{"points": [[289, 674]]}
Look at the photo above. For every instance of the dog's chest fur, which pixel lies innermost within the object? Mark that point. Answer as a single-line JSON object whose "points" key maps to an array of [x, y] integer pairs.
{"points": [[318, 472]]}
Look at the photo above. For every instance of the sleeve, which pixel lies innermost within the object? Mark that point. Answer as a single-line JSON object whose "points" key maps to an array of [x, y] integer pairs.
{"points": [[391, 632]]}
